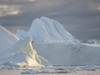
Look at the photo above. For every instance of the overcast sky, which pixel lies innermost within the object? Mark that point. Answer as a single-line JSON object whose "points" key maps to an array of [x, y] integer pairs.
{"points": [[80, 17]]}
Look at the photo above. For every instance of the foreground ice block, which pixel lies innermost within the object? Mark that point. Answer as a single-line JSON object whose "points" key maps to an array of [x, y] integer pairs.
{"points": [[22, 54], [58, 46]]}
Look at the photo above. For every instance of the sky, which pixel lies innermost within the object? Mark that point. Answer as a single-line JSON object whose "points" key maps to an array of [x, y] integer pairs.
{"points": [[79, 17]]}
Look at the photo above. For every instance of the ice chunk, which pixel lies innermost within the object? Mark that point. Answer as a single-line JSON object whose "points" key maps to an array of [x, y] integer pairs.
{"points": [[22, 54]]}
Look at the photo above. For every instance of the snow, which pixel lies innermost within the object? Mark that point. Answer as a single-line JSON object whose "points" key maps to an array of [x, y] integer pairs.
{"points": [[6, 38]]}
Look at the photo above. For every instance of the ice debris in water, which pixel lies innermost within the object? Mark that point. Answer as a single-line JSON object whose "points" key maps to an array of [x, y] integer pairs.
{"points": [[60, 69]]}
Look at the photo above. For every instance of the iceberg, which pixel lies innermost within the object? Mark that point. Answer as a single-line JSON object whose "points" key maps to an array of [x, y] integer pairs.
{"points": [[58, 46], [6, 38]]}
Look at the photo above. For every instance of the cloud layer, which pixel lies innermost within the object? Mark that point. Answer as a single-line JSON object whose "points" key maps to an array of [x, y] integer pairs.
{"points": [[79, 17]]}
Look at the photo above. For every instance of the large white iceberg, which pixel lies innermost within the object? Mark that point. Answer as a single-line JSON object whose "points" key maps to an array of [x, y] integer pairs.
{"points": [[58, 46], [51, 41]]}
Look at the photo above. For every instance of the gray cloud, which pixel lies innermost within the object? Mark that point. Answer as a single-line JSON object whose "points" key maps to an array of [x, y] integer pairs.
{"points": [[79, 17]]}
